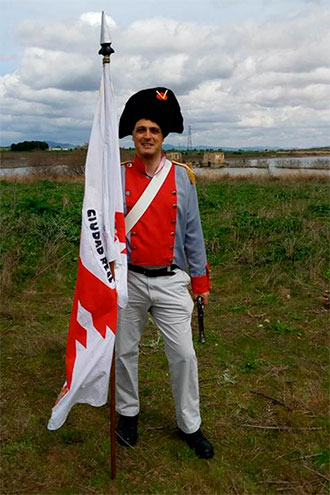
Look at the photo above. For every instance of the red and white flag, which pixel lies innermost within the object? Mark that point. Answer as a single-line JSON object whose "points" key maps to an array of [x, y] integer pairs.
{"points": [[93, 321]]}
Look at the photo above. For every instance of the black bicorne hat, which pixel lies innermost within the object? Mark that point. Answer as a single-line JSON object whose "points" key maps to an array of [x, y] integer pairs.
{"points": [[157, 104]]}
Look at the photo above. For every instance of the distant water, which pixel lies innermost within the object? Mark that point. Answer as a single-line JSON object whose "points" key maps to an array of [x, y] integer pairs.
{"points": [[269, 167], [37, 171], [310, 162], [264, 167]]}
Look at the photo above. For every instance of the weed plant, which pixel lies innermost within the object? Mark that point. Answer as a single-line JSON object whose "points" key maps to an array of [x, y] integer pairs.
{"points": [[263, 369]]}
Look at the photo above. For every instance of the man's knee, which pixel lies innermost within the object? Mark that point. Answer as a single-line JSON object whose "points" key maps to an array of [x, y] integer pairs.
{"points": [[185, 355]]}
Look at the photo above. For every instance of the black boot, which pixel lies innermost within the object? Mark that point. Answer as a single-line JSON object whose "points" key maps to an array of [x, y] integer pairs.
{"points": [[197, 441], [127, 433]]}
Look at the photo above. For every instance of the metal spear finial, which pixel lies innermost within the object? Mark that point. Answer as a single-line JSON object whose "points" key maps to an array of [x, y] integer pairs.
{"points": [[105, 41]]}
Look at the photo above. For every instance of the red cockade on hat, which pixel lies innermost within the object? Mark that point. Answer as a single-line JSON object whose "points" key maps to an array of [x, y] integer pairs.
{"points": [[162, 96]]}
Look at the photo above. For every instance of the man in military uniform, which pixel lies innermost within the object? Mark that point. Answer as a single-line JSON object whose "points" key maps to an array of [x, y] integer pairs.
{"points": [[164, 244]]}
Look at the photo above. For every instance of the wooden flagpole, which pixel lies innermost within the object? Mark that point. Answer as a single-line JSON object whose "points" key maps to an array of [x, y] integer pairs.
{"points": [[113, 464], [106, 50], [113, 416]]}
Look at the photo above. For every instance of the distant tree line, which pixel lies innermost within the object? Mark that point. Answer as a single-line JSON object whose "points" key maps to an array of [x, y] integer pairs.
{"points": [[29, 146]]}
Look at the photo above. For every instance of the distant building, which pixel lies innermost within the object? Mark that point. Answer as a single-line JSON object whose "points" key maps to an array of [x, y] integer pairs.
{"points": [[174, 156], [213, 159], [193, 158]]}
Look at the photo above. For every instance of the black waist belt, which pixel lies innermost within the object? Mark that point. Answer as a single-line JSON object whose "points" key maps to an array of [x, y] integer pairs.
{"points": [[153, 272]]}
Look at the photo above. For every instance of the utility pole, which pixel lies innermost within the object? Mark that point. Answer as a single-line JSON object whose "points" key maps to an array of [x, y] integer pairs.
{"points": [[189, 144]]}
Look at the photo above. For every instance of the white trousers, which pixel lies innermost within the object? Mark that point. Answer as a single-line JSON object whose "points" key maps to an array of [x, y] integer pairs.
{"points": [[170, 305]]}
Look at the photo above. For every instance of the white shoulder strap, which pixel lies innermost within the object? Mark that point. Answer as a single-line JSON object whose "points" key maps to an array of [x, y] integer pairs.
{"points": [[147, 196]]}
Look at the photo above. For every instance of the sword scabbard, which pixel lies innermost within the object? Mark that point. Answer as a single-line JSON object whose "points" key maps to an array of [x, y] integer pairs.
{"points": [[200, 314]]}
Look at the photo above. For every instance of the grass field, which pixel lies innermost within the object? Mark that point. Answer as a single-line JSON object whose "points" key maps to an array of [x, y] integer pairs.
{"points": [[263, 369]]}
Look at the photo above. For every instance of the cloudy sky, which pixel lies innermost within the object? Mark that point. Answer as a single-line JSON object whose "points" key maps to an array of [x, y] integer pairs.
{"points": [[246, 72]]}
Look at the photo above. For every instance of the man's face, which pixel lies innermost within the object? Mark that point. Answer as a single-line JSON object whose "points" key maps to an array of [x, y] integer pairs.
{"points": [[148, 138]]}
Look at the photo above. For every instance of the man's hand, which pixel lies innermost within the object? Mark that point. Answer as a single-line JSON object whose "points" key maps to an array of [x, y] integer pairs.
{"points": [[204, 295]]}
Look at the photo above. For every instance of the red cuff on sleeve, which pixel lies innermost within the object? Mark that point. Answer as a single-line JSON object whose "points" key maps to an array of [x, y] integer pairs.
{"points": [[201, 284]]}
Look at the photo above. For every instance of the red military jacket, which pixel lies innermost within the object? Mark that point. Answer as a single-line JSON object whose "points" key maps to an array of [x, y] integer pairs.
{"points": [[169, 232]]}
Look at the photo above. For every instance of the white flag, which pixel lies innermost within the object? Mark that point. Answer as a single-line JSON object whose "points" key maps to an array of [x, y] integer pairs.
{"points": [[94, 314]]}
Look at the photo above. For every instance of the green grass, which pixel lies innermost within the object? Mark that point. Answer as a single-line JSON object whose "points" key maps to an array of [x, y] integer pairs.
{"points": [[263, 369]]}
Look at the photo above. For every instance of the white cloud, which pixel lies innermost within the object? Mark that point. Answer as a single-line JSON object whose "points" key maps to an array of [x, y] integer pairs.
{"points": [[42, 69], [79, 36], [93, 19], [238, 84]]}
